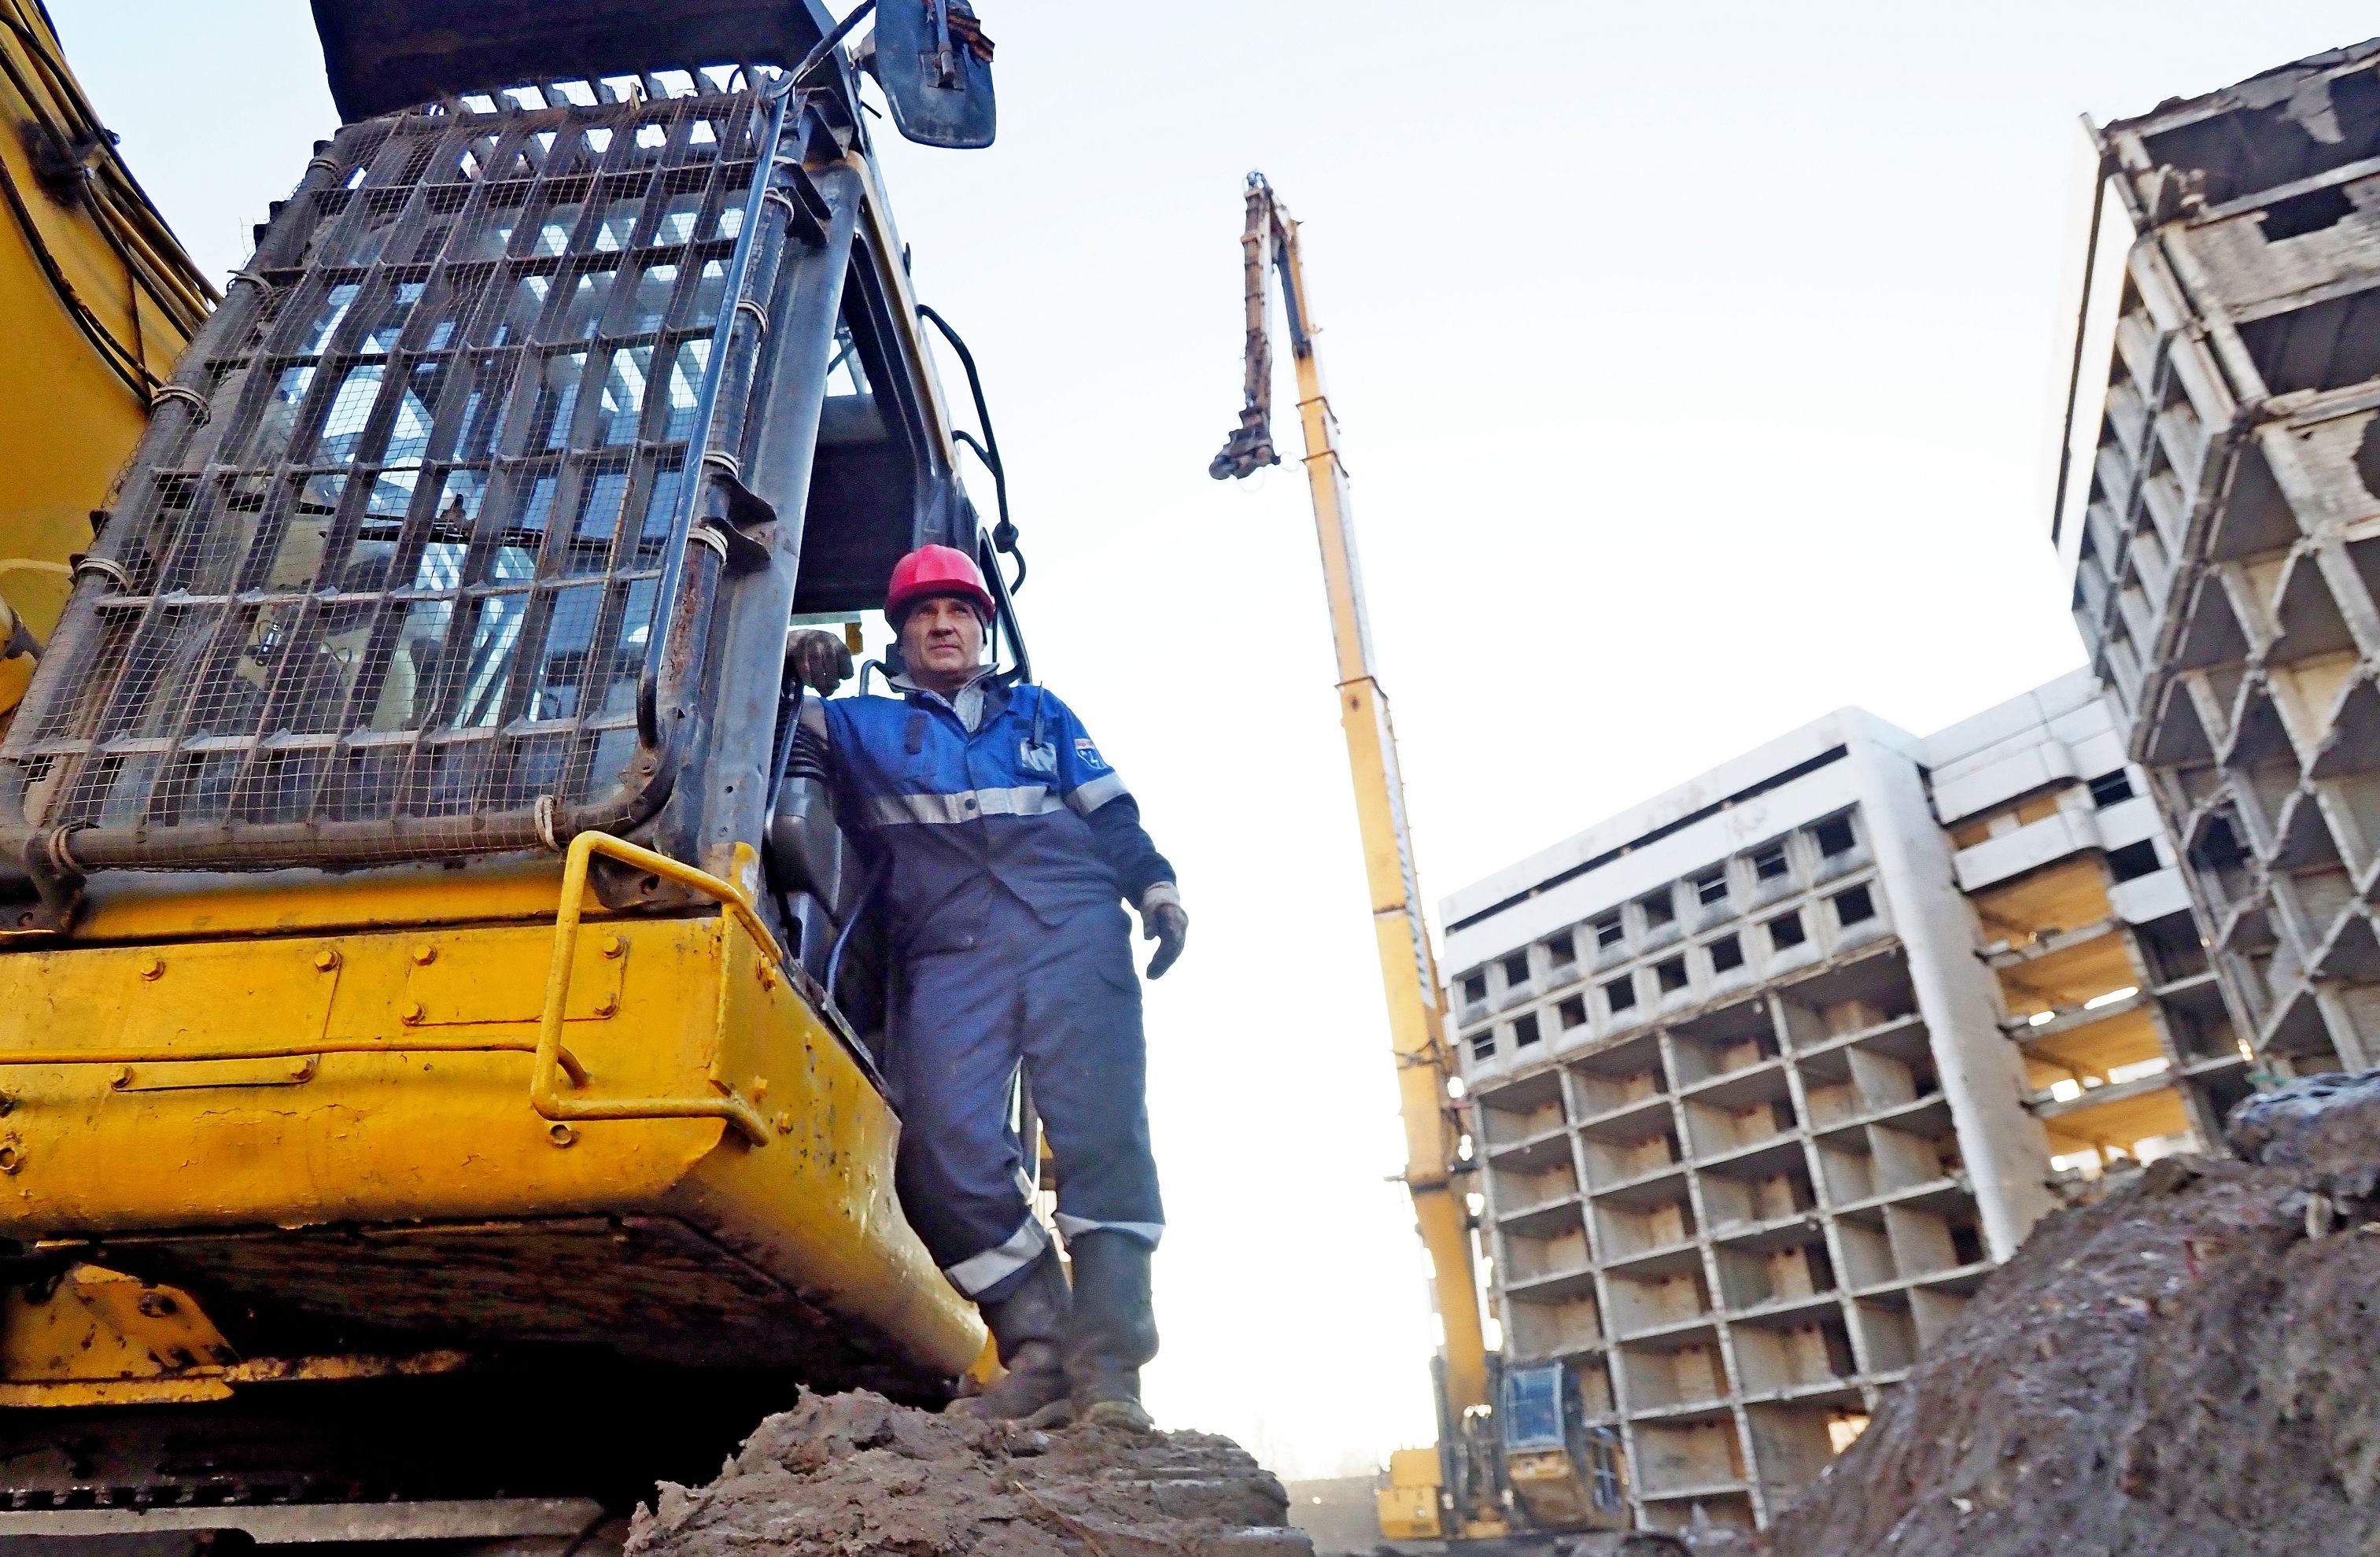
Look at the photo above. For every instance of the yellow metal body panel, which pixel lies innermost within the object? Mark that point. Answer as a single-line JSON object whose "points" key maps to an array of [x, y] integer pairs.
{"points": [[96, 1326], [71, 407], [159, 906], [400, 1123], [99, 1337], [1548, 1485], [1407, 1507]]}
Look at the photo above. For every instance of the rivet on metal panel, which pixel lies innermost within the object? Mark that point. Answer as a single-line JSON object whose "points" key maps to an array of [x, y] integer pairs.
{"points": [[613, 947], [12, 1156], [608, 1006], [153, 968], [121, 1077], [785, 1122], [412, 1013], [561, 1135], [327, 960], [424, 955], [303, 1070], [759, 1088]]}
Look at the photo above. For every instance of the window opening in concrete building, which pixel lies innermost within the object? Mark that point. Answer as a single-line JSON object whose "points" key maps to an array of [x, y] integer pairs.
{"points": [[1573, 1012], [1620, 994], [1711, 888], [1609, 931], [2367, 461], [1768, 862], [2133, 860], [2219, 847], [1726, 954], [1483, 1045], [1562, 950], [1785, 931], [1833, 835], [2313, 212], [1524, 1031], [2172, 945], [1474, 988], [1659, 911], [2110, 789], [1671, 974], [1854, 907], [1516, 970]]}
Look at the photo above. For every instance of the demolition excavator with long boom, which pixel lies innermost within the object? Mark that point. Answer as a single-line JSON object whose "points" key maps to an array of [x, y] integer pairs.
{"points": [[1517, 1466], [438, 1026]]}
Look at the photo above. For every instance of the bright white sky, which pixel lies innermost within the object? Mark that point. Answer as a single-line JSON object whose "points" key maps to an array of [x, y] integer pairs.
{"points": [[1693, 361]]}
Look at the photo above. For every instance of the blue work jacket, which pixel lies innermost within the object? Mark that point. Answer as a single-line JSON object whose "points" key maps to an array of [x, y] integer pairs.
{"points": [[1022, 811]]}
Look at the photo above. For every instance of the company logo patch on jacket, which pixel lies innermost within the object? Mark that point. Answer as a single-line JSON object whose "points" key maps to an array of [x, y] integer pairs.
{"points": [[1087, 754]]}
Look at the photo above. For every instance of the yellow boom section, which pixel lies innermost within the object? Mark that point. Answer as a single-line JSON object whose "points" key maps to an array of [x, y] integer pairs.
{"points": [[97, 300], [1408, 968]]}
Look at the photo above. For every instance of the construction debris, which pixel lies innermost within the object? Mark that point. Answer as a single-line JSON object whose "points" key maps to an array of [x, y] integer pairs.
{"points": [[2183, 1368], [856, 1476], [2326, 1128]]}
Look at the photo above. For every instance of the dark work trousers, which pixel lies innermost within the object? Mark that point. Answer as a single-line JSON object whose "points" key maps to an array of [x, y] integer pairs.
{"points": [[1064, 1000]]}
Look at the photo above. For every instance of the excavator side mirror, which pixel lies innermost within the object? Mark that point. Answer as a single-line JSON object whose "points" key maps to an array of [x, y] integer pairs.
{"points": [[934, 63]]}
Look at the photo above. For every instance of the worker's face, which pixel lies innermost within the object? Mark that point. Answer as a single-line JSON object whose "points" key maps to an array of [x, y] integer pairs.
{"points": [[941, 639]]}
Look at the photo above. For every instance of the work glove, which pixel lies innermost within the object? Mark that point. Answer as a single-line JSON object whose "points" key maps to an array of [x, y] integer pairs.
{"points": [[819, 658], [1162, 921]]}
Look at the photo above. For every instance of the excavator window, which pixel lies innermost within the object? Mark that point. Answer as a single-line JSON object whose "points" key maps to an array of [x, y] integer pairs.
{"points": [[398, 575], [879, 485]]}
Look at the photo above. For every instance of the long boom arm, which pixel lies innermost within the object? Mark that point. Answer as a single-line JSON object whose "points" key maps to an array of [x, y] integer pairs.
{"points": [[1408, 968]]}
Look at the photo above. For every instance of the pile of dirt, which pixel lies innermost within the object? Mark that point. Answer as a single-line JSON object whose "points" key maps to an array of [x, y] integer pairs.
{"points": [[856, 1476], [2186, 1367]]}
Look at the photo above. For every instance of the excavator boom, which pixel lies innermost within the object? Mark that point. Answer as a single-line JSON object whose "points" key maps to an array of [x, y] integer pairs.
{"points": [[1408, 968], [1530, 1454]]}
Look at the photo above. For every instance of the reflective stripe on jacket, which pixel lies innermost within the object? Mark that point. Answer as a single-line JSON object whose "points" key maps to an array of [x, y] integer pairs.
{"points": [[1007, 807]]}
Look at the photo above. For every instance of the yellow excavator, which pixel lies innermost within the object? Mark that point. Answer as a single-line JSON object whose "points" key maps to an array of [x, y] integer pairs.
{"points": [[437, 1024], [1517, 1466], [99, 300]]}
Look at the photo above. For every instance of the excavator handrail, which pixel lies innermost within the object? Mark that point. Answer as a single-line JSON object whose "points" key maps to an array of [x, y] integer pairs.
{"points": [[733, 901], [304, 1048]]}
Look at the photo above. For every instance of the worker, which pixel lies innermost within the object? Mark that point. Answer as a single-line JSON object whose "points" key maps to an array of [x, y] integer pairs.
{"points": [[1010, 845]]}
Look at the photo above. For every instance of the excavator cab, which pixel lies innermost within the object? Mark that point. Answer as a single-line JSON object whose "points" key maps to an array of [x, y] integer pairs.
{"points": [[430, 1018], [1564, 1471]]}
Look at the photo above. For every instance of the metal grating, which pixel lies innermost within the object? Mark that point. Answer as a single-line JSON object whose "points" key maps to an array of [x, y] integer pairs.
{"points": [[383, 579]]}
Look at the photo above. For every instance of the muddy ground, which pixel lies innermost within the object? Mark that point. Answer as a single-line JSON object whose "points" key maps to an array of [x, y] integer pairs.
{"points": [[2187, 1369], [855, 1476]]}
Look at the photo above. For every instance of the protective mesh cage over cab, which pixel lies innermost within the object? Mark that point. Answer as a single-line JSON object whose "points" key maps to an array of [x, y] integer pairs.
{"points": [[387, 574]]}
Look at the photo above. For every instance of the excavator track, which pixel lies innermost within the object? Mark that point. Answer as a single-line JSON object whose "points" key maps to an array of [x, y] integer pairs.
{"points": [[550, 1448]]}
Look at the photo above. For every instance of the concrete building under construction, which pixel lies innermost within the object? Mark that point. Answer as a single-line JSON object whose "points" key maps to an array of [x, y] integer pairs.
{"points": [[2218, 501], [1769, 1071]]}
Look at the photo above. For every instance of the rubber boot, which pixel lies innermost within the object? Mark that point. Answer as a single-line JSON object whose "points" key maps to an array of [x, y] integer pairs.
{"points": [[1114, 1331], [1029, 1326]]}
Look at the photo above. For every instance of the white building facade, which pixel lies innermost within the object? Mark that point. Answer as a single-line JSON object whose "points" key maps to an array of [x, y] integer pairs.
{"points": [[1754, 1107]]}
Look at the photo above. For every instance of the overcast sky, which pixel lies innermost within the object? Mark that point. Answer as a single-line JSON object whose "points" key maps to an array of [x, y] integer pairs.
{"points": [[1693, 361]]}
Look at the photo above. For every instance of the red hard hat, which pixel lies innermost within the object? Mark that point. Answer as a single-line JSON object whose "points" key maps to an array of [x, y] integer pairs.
{"points": [[936, 570]]}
